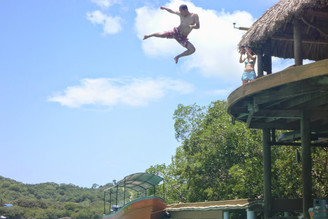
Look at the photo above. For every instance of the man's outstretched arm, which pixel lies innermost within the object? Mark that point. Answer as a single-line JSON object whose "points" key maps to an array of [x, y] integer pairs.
{"points": [[169, 10]]}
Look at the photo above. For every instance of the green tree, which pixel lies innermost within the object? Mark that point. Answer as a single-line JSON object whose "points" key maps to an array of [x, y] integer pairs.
{"points": [[219, 160], [215, 154], [187, 120]]}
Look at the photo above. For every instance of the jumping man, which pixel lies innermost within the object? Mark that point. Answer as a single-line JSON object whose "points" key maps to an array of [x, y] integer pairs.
{"points": [[188, 21]]}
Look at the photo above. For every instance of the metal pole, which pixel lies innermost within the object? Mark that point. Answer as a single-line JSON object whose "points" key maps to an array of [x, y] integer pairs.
{"points": [[226, 214], [110, 200], [116, 194], [164, 195], [104, 202], [124, 192], [306, 162], [250, 214], [267, 174]]}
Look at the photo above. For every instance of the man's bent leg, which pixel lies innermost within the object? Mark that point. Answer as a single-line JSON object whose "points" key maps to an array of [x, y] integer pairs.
{"points": [[190, 50]]}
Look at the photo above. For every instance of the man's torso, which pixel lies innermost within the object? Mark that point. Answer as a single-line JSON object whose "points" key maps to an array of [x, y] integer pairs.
{"points": [[185, 23]]}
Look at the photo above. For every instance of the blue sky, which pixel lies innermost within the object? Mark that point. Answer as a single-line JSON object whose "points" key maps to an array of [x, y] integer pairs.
{"points": [[85, 100]]}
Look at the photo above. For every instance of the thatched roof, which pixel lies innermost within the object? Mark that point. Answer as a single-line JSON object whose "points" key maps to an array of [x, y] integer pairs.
{"points": [[277, 24]]}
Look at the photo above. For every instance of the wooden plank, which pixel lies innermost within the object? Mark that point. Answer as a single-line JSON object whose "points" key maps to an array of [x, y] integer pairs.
{"points": [[267, 113], [311, 99], [297, 99]]}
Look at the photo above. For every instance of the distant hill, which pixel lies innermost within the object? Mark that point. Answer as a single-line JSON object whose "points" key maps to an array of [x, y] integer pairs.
{"points": [[51, 200]]}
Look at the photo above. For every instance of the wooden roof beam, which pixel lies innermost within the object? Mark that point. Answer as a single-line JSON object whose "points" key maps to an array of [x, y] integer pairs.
{"points": [[321, 14], [314, 27], [287, 37]]}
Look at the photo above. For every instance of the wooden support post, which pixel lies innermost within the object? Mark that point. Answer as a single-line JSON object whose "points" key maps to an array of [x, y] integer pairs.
{"points": [[306, 162], [260, 63], [268, 54], [267, 174], [297, 42]]}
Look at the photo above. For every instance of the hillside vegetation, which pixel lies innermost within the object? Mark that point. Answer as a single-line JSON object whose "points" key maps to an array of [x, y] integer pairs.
{"points": [[50, 200]]}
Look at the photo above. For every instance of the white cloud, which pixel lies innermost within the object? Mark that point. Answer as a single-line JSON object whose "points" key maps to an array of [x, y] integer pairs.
{"points": [[216, 40], [106, 3], [111, 25], [110, 92]]}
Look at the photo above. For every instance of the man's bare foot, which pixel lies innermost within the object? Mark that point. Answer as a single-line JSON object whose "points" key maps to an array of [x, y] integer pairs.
{"points": [[146, 36], [176, 59]]}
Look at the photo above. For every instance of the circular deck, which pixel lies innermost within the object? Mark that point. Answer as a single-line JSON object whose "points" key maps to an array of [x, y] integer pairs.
{"points": [[276, 101]]}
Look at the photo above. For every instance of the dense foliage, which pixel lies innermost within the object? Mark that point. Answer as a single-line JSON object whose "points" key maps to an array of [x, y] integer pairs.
{"points": [[219, 160], [51, 200]]}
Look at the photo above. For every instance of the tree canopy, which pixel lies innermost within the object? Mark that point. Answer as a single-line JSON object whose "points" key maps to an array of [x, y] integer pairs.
{"points": [[219, 160], [50, 200]]}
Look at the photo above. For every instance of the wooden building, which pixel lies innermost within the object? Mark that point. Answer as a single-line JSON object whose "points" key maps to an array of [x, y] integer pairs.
{"points": [[295, 99]]}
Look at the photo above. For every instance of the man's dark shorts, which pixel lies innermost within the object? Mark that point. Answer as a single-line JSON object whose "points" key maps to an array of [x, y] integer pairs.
{"points": [[175, 34]]}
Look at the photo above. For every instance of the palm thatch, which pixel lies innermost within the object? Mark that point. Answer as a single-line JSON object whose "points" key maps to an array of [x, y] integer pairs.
{"points": [[276, 25]]}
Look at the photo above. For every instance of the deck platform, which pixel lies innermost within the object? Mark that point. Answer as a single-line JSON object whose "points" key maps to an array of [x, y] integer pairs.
{"points": [[276, 101]]}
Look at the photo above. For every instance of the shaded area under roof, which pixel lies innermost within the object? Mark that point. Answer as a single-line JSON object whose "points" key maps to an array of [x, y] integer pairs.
{"points": [[276, 24], [139, 181]]}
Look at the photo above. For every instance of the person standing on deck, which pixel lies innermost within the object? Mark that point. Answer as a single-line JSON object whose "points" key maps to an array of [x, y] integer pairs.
{"points": [[249, 59], [188, 21]]}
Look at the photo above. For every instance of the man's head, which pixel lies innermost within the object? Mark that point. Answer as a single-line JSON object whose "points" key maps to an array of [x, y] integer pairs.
{"points": [[183, 7], [183, 10]]}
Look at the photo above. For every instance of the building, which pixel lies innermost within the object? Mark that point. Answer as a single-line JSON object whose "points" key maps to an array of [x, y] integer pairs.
{"points": [[295, 99]]}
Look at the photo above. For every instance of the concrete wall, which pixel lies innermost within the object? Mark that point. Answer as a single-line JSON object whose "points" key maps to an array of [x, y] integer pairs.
{"points": [[211, 214]]}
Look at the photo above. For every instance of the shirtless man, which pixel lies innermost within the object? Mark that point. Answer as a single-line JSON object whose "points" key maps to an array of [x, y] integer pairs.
{"points": [[188, 21]]}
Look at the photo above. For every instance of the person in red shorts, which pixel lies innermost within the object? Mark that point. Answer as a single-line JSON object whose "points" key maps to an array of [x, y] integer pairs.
{"points": [[188, 21]]}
